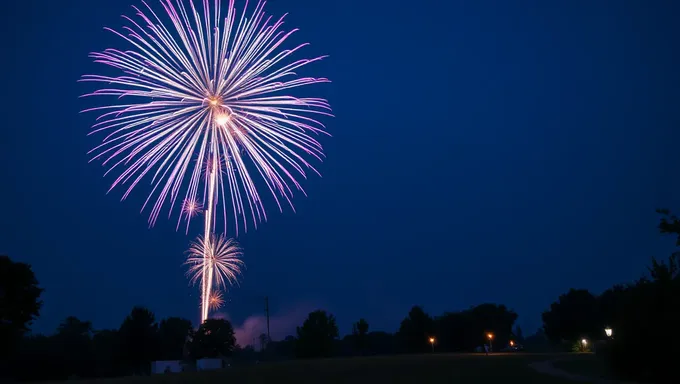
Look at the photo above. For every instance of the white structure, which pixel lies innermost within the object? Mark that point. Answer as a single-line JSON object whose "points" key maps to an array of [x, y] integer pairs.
{"points": [[166, 366], [209, 364]]}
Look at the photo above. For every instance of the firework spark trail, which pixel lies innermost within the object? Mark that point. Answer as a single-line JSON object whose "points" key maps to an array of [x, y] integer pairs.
{"points": [[207, 89]]}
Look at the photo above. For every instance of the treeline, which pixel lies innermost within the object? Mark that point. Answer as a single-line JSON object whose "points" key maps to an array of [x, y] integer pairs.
{"points": [[643, 317], [76, 350], [463, 331]]}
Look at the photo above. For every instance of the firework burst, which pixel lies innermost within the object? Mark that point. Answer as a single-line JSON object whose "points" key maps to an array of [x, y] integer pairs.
{"points": [[215, 259], [216, 300], [208, 86], [201, 111]]}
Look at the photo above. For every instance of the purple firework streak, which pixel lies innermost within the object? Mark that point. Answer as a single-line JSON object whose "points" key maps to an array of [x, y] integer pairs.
{"points": [[200, 108]]}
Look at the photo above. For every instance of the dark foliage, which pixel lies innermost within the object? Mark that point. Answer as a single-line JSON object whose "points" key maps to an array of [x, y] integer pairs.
{"points": [[316, 336], [214, 338], [574, 316], [415, 331], [173, 335], [19, 304]]}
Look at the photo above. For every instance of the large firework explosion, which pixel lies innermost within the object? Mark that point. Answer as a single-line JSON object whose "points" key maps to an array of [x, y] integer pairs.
{"points": [[200, 109]]}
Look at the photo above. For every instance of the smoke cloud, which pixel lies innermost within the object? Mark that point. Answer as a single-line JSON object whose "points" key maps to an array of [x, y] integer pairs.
{"points": [[280, 324]]}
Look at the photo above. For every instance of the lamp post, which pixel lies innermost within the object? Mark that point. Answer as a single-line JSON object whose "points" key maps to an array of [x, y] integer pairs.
{"points": [[432, 343], [584, 343], [490, 337]]}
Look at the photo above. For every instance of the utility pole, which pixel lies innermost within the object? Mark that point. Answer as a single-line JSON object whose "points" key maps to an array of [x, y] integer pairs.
{"points": [[266, 311]]}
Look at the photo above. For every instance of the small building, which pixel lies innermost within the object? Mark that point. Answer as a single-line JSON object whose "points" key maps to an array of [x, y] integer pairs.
{"points": [[211, 364], [166, 366]]}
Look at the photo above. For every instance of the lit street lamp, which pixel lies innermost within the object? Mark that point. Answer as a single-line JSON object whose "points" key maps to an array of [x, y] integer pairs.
{"points": [[584, 343], [432, 343], [490, 336], [608, 331]]}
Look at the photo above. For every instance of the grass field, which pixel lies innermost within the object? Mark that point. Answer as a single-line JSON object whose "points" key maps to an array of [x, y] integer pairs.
{"points": [[418, 369], [586, 365]]}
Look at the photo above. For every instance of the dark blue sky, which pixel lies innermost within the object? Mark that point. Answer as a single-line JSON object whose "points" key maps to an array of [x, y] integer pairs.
{"points": [[483, 151]]}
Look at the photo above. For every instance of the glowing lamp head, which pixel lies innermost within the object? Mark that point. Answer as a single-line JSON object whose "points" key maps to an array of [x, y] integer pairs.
{"points": [[221, 119], [431, 340], [608, 332], [489, 335], [512, 343], [584, 341]]}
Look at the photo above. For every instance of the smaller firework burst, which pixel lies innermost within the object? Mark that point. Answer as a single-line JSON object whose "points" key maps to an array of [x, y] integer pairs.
{"points": [[216, 300], [221, 254]]}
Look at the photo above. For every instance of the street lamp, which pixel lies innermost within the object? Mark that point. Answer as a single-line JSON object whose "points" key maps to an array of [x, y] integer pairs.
{"points": [[432, 343], [608, 332], [490, 336], [584, 343]]}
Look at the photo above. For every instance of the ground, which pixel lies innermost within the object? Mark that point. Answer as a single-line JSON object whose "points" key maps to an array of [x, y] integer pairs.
{"points": [[418, 369], [586, 364]]}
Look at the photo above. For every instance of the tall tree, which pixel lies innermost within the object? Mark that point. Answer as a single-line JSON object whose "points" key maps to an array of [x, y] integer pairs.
{"points": [[415, 331], [214, 338], [316, 336], [173, 334], [74, 343], [573, 316], [360, 334], [107, 352], [139, 339], [19, 303]]}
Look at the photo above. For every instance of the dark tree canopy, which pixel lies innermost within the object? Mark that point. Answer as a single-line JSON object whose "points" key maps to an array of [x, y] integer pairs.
{"points": [[139, 339], [19, 301], [415, 331], [214, 338], [467, 330], [360, 335], [316, 336], [173, 334], [574, 316]]}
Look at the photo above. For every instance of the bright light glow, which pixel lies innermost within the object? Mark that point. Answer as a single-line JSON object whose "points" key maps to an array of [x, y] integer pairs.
{"points": [[608, 332], [159, 129], [222, 119], [512, 343], [584, 342], [489, 335], [431, 340]]}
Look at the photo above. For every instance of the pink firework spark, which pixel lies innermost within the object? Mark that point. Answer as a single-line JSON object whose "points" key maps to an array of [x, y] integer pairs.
{"points": [[207, 84]]}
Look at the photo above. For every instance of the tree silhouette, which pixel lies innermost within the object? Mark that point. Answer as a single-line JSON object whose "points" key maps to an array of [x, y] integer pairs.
{"points": [[107, 350], [572, 317], [214, 338], [74, 341], [360, 333], [19, 303], [173, 334], [139, 339], [415, 331], [316, 336]]}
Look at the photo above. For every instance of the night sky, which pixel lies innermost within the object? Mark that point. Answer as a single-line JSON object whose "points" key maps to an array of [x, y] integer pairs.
{"points": [[483, 151]]}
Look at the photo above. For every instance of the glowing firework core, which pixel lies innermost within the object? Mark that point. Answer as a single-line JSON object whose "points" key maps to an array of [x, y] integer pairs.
{"points": [[221, 119]]}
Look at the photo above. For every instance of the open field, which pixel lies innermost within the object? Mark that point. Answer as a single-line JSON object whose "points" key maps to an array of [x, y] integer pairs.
{"points": [[419, 369], [586, 364]]}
